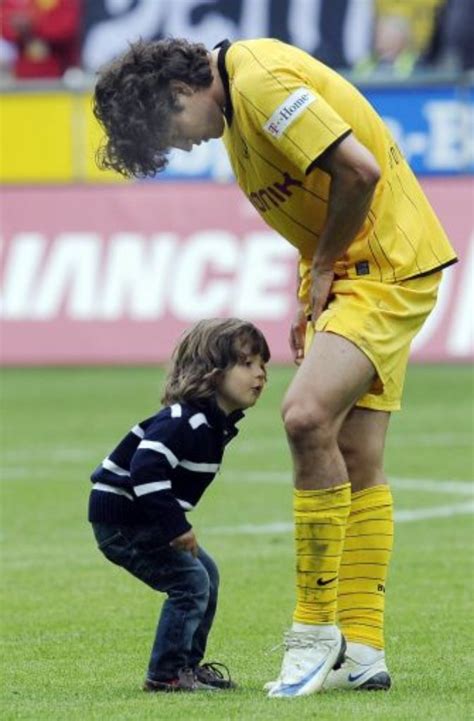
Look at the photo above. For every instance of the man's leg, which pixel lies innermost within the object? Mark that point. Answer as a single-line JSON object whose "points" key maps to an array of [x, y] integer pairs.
{"points": [[333, 376], [366, 555]]}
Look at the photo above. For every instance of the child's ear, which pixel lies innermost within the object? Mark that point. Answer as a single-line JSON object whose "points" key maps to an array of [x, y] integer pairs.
{"points": [[216, 375]]}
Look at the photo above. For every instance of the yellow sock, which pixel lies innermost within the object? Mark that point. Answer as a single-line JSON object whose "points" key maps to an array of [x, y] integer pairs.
{"points": [[364, 566], [320, 525]]}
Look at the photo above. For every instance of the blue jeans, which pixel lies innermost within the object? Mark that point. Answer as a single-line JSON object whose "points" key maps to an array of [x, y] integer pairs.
{"points": [[190, 583]]}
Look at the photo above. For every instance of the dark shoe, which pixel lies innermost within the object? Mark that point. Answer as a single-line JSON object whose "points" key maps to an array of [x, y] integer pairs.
{"points": [[211, 675], [186, 681]]}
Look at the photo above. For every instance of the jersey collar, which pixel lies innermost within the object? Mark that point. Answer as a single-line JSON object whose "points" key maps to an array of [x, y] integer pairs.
{"points": [[223, 46], [216, 416]]}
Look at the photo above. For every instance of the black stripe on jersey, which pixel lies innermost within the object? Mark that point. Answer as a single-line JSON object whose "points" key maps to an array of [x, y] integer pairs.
{"points": [[327, 150], [418, 212], [266, 118], [410, 244], [404, 233], [280, 207], [287, 89], [375, 258], [379, 243], [272, 165], [437, 269], [297, 222], [306, 190]]}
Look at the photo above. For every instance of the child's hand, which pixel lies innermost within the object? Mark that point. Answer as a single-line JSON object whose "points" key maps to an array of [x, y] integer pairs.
{"points": [[186, 542]]}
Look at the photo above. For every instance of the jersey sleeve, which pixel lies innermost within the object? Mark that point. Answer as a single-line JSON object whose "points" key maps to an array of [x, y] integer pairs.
{"points": [[287, 109]]}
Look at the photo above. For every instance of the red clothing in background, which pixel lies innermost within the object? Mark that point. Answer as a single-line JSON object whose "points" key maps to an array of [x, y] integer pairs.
{"points": [[46, 33]]}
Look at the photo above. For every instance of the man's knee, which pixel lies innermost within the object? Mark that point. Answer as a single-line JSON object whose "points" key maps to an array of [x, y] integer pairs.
{"points": [[302, 421]]}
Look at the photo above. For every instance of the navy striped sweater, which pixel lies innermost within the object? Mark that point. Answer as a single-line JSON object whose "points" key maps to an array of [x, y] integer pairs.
{"points": [[161, 468]]}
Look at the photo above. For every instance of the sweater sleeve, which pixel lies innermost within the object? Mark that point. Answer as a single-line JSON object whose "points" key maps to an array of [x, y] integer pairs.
{"points": [[166, 442]]}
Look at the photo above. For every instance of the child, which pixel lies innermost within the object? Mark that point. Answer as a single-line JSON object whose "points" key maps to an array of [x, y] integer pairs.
{"points": [[160, 470]]}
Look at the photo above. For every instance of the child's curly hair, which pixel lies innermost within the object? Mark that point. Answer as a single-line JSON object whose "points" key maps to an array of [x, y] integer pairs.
{"points": [[134, 99], [207, 350]]}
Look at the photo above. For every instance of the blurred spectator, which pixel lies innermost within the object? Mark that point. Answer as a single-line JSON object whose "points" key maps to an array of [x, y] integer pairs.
{"points": [[452, 47], [339, 32], [403, 31], [45, 33], [8, 55]]}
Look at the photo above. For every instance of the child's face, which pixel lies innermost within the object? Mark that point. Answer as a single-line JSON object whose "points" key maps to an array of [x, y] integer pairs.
{"points": [[241, 385]]}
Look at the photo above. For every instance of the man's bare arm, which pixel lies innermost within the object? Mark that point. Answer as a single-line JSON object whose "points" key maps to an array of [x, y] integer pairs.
{"points": [[354, 174]]}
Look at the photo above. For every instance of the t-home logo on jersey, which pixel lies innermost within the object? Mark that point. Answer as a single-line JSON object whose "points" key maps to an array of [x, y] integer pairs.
{"points": [[288, 111]]}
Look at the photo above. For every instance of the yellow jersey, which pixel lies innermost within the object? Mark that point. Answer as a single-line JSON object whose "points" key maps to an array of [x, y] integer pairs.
{"points": [[284, 109]]}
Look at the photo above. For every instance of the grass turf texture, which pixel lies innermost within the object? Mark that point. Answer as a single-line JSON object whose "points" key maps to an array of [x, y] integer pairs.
{"points": [[77, 630]]}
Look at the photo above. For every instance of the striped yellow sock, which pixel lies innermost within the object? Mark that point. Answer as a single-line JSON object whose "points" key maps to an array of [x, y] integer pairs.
{"points": [[364, 566], [320, 525]]}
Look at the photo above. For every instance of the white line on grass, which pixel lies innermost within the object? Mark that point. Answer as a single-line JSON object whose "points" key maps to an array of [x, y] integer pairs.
{"points": [[407, 439], [417, 484], [419, 514], [61, 454], [450, 487]]}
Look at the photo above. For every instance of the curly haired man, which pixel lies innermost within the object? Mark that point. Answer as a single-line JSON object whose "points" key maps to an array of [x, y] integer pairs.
{"points": [[322, 169]]}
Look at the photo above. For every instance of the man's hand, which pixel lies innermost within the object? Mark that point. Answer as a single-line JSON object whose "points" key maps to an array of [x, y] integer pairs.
{"points": [[321, 282], [297, 335], [186, 542]]}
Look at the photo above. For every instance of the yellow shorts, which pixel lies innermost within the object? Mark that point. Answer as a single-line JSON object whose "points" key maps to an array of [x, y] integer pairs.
{"points": [[381, 319]]}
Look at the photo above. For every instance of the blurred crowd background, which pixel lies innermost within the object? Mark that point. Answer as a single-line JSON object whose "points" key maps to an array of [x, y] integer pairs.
{"points": [[51, 50], [49, 38], [96, 269]]}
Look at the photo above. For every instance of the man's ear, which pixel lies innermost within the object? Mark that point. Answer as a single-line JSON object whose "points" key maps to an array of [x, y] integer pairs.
{"points": [[179, 88]]}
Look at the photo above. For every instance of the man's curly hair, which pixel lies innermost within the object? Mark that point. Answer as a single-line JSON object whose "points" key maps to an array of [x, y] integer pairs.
{"points": [[134, 100]]}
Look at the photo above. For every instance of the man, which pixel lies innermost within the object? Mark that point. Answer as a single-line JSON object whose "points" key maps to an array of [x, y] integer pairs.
{"points": [[321, 168]]}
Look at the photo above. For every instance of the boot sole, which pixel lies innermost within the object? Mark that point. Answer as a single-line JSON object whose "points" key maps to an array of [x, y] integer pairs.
{"points": [[380, 682]]}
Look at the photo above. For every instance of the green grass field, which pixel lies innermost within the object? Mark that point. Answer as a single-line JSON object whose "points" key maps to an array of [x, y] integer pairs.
{"points": [[77, 630]]}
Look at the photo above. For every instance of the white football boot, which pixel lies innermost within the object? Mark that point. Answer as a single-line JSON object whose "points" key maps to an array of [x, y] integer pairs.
{"points": [[309, 657], [364, 669]]}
